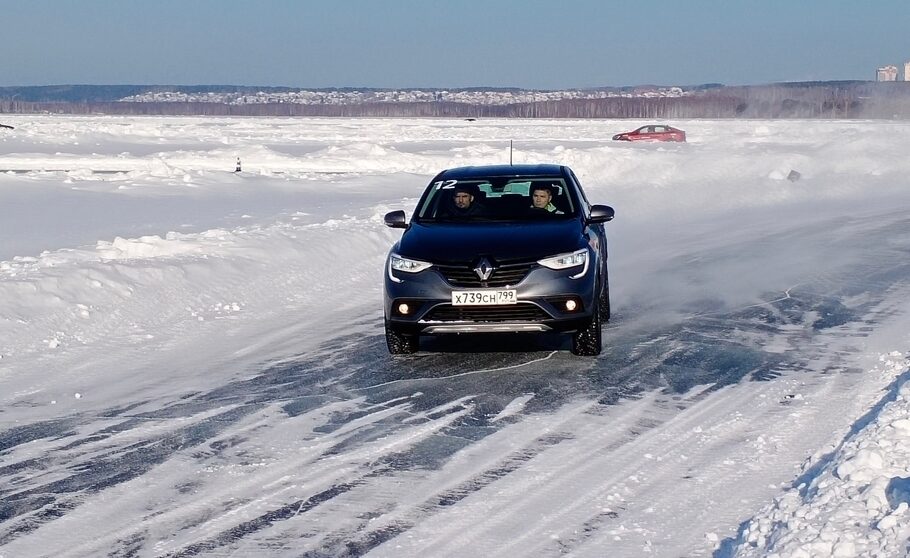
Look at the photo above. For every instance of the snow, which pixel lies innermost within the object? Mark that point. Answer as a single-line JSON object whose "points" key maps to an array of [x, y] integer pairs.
{"points": [[856, 504], [137, 271]]}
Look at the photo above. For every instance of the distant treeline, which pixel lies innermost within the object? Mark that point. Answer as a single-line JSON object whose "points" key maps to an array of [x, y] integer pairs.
{"points": [[846, 99], [111, 93]]}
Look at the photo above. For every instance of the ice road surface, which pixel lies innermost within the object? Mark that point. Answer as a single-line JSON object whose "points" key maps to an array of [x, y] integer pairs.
{"points": [[192, 360]]}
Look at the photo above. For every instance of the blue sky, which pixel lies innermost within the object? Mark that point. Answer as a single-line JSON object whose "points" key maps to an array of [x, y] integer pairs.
{"points": [[455, 43]]}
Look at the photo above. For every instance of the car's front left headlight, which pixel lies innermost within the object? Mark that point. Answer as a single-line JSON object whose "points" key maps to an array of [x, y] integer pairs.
{"points": [[564, 261]]}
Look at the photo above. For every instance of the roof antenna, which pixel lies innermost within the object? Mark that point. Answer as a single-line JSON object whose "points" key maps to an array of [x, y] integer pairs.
{"points": [[510, 153]]}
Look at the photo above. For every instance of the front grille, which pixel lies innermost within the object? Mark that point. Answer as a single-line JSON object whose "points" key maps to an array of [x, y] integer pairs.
{"points": [[501, 313], [505, 274]]}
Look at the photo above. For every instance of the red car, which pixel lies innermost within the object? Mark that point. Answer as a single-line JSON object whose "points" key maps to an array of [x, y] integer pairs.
{"points": [[653, 132]]}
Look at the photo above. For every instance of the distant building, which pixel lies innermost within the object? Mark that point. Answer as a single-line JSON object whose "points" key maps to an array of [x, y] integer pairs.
{"points": [[906, 71], [886, 73]]}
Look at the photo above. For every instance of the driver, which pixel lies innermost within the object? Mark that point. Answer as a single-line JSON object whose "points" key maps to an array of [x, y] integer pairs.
{"points": [[542, 200]]}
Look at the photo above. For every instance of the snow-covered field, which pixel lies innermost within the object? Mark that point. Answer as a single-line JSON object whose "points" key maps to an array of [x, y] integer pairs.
{"points": [[192, 361]]}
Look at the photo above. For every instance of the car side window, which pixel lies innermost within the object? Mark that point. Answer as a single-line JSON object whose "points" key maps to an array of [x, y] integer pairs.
{"points": [[581, 192]]}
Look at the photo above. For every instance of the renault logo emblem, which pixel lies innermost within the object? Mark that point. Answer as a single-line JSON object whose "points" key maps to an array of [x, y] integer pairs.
{"points": [[484, 269]]}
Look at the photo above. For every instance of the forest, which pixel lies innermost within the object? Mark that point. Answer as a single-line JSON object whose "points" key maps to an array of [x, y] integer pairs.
{"points": [[842, 99]]}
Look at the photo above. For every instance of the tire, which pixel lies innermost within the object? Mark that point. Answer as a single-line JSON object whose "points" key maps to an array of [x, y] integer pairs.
{"points": [[586, 341], [604, 304], [399, 343], [604, 300]]}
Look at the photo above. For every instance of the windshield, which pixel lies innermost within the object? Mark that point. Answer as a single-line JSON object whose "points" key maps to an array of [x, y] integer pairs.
{"points": [[497, 199]]}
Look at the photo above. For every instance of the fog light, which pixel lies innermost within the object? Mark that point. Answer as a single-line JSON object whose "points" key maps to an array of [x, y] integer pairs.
{"points": [[403, 309], [571, 305]]}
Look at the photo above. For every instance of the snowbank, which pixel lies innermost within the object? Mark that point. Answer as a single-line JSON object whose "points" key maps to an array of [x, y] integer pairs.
{"points": [[854, 501]]}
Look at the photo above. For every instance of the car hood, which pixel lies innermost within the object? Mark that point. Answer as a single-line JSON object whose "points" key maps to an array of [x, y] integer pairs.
{"points": [[459, 242]]}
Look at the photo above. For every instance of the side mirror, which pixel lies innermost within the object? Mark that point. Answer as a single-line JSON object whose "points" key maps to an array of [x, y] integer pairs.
{"points": [[601, 214], [395, 220]]}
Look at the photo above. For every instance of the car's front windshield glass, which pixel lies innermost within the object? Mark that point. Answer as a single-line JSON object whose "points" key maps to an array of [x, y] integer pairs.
{"points": [[497, 199]]}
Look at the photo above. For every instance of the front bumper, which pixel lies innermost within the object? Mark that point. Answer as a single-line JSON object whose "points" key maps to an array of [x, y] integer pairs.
{"points": [[542, 296]]}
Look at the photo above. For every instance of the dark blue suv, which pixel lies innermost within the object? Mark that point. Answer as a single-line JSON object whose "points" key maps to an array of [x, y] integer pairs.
{"points": [[509, 248]]}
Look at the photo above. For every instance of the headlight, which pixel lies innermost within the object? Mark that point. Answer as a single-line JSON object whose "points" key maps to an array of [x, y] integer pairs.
{"points": [[406, 265], [564, 261]]}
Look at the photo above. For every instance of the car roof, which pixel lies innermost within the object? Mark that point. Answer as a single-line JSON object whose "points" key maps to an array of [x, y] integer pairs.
{"points": [[548, 170]]}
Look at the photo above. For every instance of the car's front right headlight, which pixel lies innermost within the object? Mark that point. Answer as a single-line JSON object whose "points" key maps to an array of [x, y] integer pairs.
{"points": [[407, 265]]}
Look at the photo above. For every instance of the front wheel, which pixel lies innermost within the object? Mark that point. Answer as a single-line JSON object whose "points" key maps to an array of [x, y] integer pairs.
{"points": [[399, 343], [586, 341], [604, 304]]}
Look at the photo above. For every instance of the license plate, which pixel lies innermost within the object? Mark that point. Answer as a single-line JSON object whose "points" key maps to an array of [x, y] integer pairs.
{"points": [[484, 298]]}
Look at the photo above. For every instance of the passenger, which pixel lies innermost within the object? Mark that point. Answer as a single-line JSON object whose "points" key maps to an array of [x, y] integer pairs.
{"points": [[542, 200], [464, 206]]}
